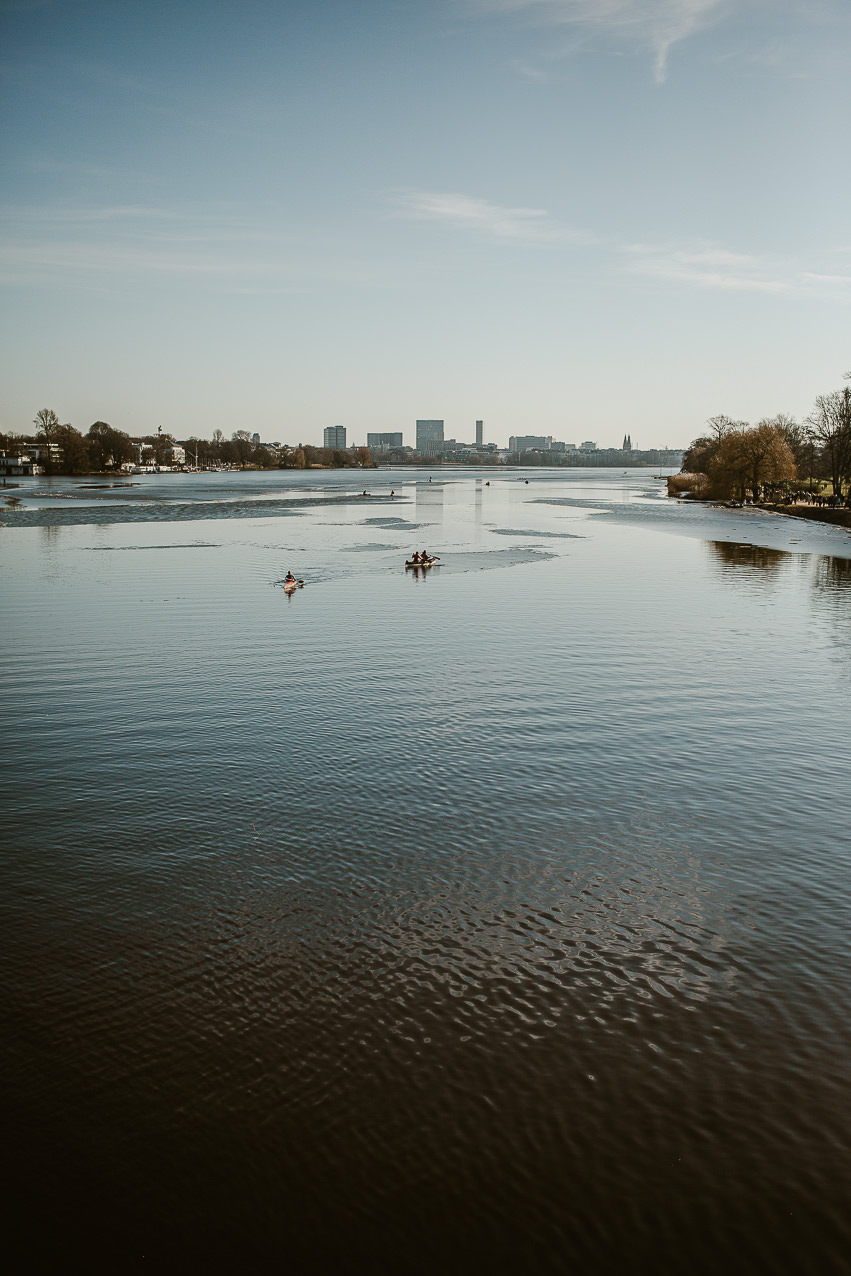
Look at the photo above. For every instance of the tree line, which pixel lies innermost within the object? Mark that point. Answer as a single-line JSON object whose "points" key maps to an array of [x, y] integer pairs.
{"points": [[734, 459], [65, 450]]}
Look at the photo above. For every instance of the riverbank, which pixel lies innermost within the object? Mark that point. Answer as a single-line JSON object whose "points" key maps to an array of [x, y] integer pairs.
{"points": [[821, 514], [692, 487]]}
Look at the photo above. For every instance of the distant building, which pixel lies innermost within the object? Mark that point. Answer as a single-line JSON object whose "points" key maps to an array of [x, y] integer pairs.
{"points": [[335, 436], [480, 433], [627, 443], [255, 439], [530, 443], [430, 437], [15, 463], [177, 454], [384, 442], [589, 446], [42, 453]]}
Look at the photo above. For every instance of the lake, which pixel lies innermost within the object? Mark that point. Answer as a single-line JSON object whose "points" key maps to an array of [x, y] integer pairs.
{"points": [[494, 917]]}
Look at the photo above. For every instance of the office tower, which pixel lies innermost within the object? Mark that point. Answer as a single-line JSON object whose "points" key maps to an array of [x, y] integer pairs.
{"points": [[335, 436], [430, 437], [530, 442], [480, 431], [384, 442]]}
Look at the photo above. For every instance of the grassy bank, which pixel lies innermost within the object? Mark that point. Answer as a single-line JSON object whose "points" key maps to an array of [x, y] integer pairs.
{"points": [[839, 517]]}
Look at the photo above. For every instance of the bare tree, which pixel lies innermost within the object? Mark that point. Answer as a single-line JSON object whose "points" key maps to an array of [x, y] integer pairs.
{"points": [[721, 425], [47, 423], [48, 426], [830, 426], [795, 434]]}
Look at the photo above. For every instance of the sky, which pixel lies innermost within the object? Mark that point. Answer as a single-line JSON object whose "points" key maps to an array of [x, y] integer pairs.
{"points": [[582, 218]]}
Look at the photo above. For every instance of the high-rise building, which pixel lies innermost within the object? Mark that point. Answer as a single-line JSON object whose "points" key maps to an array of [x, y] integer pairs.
{"points": [[530, 442], [335, 436], [480, 431], [384, 442], [627, 443], [430, 437]]}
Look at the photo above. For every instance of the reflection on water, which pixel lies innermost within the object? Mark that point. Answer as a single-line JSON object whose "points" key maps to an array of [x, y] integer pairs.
{"points": [[430, 501], [756, 558], [833, 574]]}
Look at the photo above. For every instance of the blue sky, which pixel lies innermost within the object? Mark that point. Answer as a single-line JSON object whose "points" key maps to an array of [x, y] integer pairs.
{"points": [[571, 217]]}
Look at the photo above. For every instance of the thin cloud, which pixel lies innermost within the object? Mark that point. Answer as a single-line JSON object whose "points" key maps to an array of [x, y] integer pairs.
{"points": [[654, 24], [99, 266], [75, 169], [528, 71], [97, 247], [495, 221], [701, 265], [79, 216], [719, 269], [836, 281]]}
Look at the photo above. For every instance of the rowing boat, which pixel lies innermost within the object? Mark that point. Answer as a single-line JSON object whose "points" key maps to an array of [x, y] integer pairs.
{"points": [[430, 562]]}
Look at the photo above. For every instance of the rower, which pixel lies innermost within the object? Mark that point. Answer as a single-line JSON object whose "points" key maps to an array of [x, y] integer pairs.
{"points": [[416, 556], [289, 579]]}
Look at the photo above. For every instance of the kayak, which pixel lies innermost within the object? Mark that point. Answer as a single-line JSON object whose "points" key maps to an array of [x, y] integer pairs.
{"points": [[431, 562]]}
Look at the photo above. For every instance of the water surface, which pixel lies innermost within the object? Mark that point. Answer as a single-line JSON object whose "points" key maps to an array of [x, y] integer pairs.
{"points": [[495, 917]]}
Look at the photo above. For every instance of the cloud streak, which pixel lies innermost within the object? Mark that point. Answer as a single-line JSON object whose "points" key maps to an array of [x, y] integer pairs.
{"points": [[657, 25], [98, 247], [697, 265], [709, 267], [495, 221]]}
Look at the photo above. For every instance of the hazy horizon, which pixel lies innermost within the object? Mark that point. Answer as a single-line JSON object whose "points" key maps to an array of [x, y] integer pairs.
{"points": [[577, 218]]}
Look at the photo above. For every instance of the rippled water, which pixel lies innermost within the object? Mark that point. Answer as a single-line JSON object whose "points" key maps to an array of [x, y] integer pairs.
{"points": [[495, 918]]}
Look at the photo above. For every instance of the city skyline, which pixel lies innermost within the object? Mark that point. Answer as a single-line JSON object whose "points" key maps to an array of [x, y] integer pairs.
{"points": [[568, 218]]}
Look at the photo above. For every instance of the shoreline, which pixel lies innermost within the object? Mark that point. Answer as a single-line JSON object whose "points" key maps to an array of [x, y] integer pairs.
{"points": [[838, 517]]}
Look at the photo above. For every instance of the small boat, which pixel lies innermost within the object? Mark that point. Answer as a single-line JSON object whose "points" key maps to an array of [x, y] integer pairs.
{"points": [[429, 562]]}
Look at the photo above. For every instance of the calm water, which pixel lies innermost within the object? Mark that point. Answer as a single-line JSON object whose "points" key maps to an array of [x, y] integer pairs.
{"points": [[492, 920]]}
